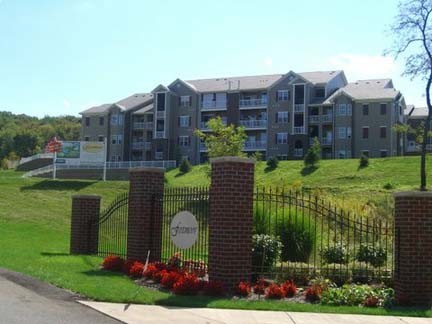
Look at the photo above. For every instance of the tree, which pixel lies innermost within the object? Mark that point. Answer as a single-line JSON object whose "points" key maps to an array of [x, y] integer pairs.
{"points": [[185, 166], [223, 140], [413, 40], [313, 154]]}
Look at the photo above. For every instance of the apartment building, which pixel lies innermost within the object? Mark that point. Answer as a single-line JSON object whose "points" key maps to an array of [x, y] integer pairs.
{"points": [[281, 114], [415, 117]]}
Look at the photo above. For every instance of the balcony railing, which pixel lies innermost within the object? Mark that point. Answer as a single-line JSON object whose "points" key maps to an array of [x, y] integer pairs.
{"points": [[314, 119], [141, 145], [255, 145], [252, 123], [298, 152], [160, 134], [205, 127], [210, 105], [326, 141], [252, 103], [143, 125], [299, 108], [299, 130], [328, 118]]}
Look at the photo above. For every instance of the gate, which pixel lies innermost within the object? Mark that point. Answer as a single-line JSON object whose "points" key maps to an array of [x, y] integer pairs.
{"points": [[196, 201], [113, 227]]}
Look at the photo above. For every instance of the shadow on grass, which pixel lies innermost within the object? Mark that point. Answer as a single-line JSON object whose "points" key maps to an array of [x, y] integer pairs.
{"points": [[103, 273], [179, 174], [58, 185], [308, 170], [269, 169]]}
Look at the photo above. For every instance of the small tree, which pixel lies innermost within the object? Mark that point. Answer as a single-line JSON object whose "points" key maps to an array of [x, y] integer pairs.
{"points": [[185, 166], [272, 163], [223, 140], [313, 154], [364, 161]]}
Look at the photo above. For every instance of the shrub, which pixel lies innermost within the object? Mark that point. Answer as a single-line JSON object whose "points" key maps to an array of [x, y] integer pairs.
{"points": [[313, 293], [127, 265], [335, 254], [272, 163], [371, 301], [137, 270], [375, 255], [355, 295], [297, 271], [266, 250], [243, 289], [274, 291], [185, 166], [174, 262], [296, 233], [364, 161], [150, 271], [260, 286], [289, 288], [313, 154], [337, 273], [170, 278], [214, 288], [187, 285], [158, 275], [4, 164], [112, 263]]}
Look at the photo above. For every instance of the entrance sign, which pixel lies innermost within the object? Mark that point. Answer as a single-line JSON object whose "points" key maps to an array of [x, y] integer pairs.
{"points": [[184, 230]]}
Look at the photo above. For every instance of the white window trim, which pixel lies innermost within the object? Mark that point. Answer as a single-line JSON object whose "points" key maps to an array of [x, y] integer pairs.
{"points": [[188, 101], [284, 97], [184, 117], [282, 117], [282, 138]]}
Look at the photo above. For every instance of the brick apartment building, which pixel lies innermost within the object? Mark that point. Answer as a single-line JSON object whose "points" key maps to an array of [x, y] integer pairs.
{"points": [[281, 113]]}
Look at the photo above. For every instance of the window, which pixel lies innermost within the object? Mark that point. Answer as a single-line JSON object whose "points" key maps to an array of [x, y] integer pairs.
{"points": [[365, 132], [160, 125], [383, 132], [183, 141], [116, 139], [320, 92], [184, 121], [119, 139], [185, 101], [282, 95], [383, 153], [101, 121], [348, 132], [87, 121], [349, 110], [120, 119], [383, 109], [114, 120], [341, 110], [101, 138], [86, 139], [160, 101], [365, 109], [281, 138], [282, 117], [342, 132]]}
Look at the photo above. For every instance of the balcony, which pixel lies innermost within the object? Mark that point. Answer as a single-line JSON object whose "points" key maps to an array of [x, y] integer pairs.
{"points": [[160, 134], [143, 125], [299, 130], [299, 108], [213, 105], [298, 152], [255, 145], [141, 145], [314, 119], [204, 127], [327, 118], [252, 103], [254, 123]]}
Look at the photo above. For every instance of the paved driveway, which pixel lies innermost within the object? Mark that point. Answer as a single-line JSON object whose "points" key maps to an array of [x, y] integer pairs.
{"points": [[29, 301]]}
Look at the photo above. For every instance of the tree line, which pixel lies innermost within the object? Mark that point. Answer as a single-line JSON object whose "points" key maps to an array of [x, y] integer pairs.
{"points": [[22, 135]]}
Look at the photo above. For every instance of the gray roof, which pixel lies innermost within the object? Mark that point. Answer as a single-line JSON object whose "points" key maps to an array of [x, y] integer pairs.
{"points": [[97, 109], [418, 112], [146, 109], [367, 90], [135, 100], [320, 77]]}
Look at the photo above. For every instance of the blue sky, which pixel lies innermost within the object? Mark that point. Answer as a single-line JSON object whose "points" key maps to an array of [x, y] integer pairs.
{"points": [[60, 57]]}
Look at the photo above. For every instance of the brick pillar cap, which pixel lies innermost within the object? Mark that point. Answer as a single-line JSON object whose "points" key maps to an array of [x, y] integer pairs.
{"points": [[413, 194], [235, 159], [95, 197], [149, 169]]}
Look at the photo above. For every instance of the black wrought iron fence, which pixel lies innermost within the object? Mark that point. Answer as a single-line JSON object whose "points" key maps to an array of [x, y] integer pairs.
{"points": [[318, 238]]}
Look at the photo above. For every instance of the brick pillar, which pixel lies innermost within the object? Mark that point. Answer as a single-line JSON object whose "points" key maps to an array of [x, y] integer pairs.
{"points": [[145, 213], [84, 224], [413, 247], [230, 231]]}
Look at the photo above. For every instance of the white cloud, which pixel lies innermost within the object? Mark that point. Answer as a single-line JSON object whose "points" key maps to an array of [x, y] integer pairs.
{"points": [[360, 66], [268, 61], [66, 103]]}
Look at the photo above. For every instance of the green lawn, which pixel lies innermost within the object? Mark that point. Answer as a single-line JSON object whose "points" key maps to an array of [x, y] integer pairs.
{"points": [[35, 221]]}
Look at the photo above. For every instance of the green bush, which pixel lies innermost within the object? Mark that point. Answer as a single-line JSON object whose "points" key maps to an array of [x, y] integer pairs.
{"points": [[313, 154], [375, 255], [272, 163], [266, 250], [340, 274], [364, 161], [335, 254], [356, 295], [389, 186], [185, 166], [4, 164], [297, 234]]}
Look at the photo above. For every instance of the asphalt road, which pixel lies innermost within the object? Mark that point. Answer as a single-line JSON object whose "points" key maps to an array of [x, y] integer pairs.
{"points": [[29, 301]]}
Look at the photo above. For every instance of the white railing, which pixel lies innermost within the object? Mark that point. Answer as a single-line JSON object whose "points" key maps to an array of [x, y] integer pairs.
{"points": [[141, 145], [314, 119], [298, 152], [327, 118], [252, 123], [249, 103], [299, 130], [143, 125], [166, 164], [37, 156], [160, 134], [299, 108], [255, 145], [209, 105]]}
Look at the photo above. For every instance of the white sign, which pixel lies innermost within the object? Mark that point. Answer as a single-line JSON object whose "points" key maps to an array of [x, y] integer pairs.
{"points": [[92, 152], [184, 230]]}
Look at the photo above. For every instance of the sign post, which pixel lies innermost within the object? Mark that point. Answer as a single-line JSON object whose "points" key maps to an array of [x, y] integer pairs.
{"points": [[54, 146]]}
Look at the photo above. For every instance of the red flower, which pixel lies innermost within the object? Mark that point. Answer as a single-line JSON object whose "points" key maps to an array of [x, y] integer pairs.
{"points": [[187, 285], [127, 265], [313, 293], [260, 286], [137, 270], [243, 289], [274, 291], [170, 278], [289, 288], [158, 275], [214, 288], [151, 269], [113, 263], [371, 301]]}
